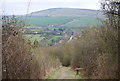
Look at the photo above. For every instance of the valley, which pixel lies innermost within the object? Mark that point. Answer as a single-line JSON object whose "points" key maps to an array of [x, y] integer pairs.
{"points": [[56, 29]]}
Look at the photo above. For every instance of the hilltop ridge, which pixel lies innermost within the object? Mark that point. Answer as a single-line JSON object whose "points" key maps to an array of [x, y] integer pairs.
{"points": [[67, 12]]}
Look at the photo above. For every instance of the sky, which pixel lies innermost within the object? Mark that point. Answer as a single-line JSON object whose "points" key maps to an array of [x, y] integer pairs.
{"points": [[20, 7]]}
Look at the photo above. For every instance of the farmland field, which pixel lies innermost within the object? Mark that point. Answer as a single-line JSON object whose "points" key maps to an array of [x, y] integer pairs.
{"points": [[46, 20], [62, 21], [32, 38], [51, 29], [82, 21]]}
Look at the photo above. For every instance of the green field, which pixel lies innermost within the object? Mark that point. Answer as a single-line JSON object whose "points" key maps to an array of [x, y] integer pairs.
{"points": [[83, 21], [54, 38], [46, 20], [38, 38], [62, 21], [32, 38], [46, 27]]}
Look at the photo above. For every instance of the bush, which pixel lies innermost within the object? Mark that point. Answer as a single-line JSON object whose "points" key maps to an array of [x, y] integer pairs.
{"points": [[17, 58], [96, 52]]}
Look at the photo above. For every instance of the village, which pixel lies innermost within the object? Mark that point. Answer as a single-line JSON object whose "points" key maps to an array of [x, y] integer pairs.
{"points": [[54, 34]]}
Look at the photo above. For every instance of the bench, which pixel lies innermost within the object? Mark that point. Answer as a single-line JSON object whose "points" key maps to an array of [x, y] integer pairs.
{"points": [[77, 70]]}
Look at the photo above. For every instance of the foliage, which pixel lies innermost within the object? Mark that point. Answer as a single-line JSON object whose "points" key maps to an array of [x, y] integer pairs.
{"points": [[16, 55], [35, 44], [20, 61], [96, 50]]}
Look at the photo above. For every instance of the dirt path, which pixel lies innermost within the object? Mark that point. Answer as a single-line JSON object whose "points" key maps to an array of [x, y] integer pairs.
{"points": [[64, 73]]}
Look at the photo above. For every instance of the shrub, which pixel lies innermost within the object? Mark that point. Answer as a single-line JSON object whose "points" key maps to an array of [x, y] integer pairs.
{"points": [[17, 58]]}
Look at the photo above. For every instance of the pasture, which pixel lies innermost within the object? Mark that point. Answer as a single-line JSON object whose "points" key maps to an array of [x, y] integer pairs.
{"points": [[48, 27], [46, 20], [62, 21]]}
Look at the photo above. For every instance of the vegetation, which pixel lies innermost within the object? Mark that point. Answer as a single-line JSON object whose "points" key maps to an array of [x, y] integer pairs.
{"points": [[82, 21], [46, 20], [61, 21], [68, 12], [64, 73], [94, 49], [21, 60]]}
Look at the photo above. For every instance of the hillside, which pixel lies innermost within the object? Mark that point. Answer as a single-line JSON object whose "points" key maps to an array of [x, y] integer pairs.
{"points": [[53, 25], [67, 12]]}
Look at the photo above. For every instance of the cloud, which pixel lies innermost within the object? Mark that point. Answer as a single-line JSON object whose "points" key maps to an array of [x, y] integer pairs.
{"points": [[21, 6], [43, 1]]}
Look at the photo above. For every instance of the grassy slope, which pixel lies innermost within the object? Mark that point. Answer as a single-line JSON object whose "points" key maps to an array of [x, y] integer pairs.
{"points": [[32, 38], [63, 17], [46, 20], [76, 25], [53, 38], [67, 12], [60, 15], [64, 21], [83, 21]]}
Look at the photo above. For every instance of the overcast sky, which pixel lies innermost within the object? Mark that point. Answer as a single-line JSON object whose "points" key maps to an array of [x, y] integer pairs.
{"points": [[20, 7]]}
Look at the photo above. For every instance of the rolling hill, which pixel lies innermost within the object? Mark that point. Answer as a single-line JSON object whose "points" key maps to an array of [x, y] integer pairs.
{"points": [[68, 12], [55, 23]]}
